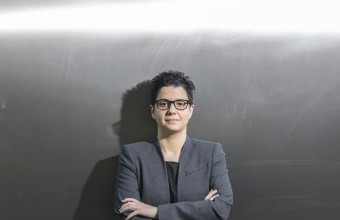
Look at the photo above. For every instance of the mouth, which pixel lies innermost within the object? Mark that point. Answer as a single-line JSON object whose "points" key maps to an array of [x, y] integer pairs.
{"points": [[171, 120]]}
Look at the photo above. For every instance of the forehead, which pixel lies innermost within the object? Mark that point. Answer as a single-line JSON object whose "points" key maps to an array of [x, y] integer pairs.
{"points": [[172, 93]]}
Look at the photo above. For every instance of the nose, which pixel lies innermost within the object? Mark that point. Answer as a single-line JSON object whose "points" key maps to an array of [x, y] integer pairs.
{"points": [[172, 108]]}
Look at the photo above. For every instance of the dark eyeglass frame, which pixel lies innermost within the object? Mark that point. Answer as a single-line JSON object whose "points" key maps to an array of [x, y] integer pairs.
{"points": [[187, 103]]}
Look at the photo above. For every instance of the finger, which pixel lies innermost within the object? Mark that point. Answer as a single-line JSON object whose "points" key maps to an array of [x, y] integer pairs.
{"points": [[210, 194], [214, 192], [128, 206], [209, 197], [132, 214], [127, 203], [212, 198], [124, 206], [130, 200]]}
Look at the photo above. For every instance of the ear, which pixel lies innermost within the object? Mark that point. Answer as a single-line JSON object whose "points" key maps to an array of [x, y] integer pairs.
{"points": [[152, 110], [191, 110]]}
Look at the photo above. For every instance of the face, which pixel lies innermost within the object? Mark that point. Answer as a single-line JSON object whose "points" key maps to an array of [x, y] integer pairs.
{"points": [[172, 119]]}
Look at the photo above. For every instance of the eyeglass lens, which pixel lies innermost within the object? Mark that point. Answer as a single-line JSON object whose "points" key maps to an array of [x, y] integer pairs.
{"points": [[165, 104]]}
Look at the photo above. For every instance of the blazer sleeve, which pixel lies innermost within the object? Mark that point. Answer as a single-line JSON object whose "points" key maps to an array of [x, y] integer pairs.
{"points": [[127, 182], [218, 209]]}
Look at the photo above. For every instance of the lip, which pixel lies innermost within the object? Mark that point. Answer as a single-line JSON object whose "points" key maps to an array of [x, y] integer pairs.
{"points": [[171, 120]]}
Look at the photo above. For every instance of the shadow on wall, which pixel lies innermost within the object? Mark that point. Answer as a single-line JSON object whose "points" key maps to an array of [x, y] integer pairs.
{"points": [[136, 124]]}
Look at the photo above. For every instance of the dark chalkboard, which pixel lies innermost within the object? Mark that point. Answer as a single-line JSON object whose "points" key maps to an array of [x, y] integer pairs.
{"points": [[68, 102]]}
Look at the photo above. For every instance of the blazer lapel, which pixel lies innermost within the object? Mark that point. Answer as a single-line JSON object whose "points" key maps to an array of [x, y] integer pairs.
{"points": [[184, 163], [164, 178]]}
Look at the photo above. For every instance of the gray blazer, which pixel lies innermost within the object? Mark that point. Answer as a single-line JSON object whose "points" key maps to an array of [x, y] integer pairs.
{"points": [[142, 174]]}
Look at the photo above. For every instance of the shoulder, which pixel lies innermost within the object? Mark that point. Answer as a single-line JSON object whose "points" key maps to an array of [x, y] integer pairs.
{"points": [[206, 146], [138, 147], [139, 150], [203, 142]]}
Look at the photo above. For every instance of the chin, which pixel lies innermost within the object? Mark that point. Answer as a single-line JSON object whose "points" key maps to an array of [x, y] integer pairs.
{"points": [[174, 129]]}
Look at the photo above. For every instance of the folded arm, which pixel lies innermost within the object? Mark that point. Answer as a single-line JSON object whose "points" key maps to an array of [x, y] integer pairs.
{"points": [[212, 207], [218, 209]]}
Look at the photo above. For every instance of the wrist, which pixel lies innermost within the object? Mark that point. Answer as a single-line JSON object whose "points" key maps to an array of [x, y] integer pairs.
{"points": [[156, 213]]}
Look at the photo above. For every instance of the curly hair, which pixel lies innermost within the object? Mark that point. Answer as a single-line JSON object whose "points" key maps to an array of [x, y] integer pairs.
{"points": [[172, 78]]}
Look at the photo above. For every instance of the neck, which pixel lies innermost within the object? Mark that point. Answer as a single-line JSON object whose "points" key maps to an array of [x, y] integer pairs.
{"points": [[172, 142]]}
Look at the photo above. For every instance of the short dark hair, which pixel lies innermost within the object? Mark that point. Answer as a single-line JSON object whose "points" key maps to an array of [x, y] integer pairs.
{"points": [[172, 78]]}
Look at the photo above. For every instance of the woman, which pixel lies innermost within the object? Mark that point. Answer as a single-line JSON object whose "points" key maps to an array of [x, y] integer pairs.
{"points": [[175, 177]]}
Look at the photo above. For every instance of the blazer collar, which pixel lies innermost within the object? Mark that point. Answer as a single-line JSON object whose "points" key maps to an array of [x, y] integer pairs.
{"points": [[187, 146]]}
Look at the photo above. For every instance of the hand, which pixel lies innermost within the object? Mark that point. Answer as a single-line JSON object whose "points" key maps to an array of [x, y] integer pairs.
{"points": [[211, 195], [138, 208]]}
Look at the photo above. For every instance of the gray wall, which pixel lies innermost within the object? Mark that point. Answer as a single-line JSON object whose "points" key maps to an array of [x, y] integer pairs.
{"points": [[68, 101]]}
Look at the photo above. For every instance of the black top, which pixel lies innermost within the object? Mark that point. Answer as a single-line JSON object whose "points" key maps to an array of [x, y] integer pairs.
{"points": [[172, 168]]}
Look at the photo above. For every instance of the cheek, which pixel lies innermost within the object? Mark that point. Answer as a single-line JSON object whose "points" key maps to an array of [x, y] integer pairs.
{"points": [[187, 116], [158, 117]]}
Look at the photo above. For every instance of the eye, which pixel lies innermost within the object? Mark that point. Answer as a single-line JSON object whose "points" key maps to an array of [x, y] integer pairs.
{"points": [[162, 103], [180, 103]]}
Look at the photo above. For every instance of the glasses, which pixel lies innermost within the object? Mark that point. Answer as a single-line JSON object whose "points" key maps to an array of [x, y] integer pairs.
{"points": [[164, 104]]}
